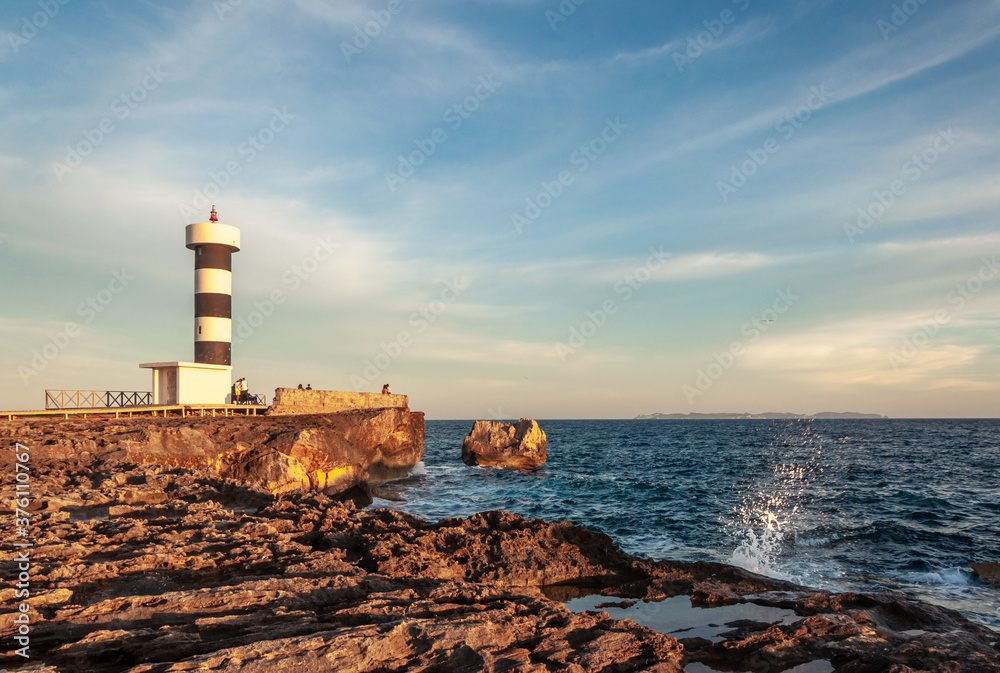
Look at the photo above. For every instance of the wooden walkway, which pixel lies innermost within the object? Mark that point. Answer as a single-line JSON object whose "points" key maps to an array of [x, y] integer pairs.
{"points": [[182, 410]]}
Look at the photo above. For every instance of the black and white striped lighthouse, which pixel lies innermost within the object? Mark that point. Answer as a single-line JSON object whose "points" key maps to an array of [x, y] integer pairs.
{"points": [[214, 244]]}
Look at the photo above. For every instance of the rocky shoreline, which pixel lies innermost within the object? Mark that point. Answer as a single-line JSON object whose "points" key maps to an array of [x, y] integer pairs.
{"points": [[150, 565]]}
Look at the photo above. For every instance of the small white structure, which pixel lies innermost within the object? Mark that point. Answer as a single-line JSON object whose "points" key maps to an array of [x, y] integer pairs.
{"points": [[190, 382], [208, 380]]}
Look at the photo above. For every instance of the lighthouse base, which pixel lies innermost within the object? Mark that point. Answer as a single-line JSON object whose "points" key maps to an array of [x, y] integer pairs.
{"points": [[190, 382]]}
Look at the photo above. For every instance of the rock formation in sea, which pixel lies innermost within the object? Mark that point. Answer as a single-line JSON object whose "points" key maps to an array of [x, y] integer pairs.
{"points": [[148, 558], [520, 446], [987, 573]]}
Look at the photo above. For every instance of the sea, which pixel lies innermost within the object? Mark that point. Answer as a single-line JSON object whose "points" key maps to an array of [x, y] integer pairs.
{"points": [[839, 505]]}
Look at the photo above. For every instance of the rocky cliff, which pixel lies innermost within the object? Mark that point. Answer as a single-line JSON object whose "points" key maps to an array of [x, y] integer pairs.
{"points": [[277, 454]]}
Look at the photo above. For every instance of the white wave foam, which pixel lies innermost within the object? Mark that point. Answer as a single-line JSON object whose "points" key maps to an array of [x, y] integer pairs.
{"points": [[947, 577], [418, 470]]}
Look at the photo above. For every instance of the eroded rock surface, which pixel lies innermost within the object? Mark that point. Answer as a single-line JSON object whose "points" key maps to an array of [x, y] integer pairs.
{"points": [[520, 446], [155, 568], [325, 452]]}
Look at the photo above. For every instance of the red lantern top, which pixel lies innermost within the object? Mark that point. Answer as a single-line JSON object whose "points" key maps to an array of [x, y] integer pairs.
{"points": [[214, 217]]}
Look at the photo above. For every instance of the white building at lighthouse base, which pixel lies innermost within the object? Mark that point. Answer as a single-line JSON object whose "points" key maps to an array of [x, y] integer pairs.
{"points": [[190, 382]]}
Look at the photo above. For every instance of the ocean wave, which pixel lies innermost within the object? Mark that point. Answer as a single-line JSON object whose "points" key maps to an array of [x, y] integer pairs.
{"points": [[803, 540], [920, 500], [651, 546], [948, 576]]}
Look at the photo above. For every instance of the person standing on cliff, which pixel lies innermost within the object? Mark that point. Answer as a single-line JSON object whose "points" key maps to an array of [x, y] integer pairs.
{"points": [[386, 390]]}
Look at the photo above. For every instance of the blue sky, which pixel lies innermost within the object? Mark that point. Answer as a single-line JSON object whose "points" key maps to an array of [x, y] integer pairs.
{"points": [[513, 208]]}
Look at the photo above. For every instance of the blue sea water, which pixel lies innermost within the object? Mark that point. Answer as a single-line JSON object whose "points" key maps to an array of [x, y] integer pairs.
{"points": [[867, 505]]}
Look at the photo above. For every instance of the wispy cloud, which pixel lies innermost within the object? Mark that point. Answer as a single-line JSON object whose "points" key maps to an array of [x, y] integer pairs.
{"points": [[343, 14], [742, 35], [846, 353], [671, 268], [859, 71], [918, 49], [664, 49], [961, 247]]}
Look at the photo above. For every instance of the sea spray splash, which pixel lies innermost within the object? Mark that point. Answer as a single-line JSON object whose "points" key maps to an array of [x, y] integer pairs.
{"points": [[758, 525], [772, 503], [758, 553]]}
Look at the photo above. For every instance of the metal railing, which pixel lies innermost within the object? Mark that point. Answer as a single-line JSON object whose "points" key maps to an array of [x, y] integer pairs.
{"points": [[95, 399], [258, 399], [124, 398]]}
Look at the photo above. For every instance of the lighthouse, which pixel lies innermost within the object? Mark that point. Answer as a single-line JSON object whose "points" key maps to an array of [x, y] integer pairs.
{"points": [[214, 244], [207, 380]]}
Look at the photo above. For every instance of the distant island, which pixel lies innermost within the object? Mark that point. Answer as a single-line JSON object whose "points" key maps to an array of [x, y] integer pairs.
{"points": [[770, 415]]}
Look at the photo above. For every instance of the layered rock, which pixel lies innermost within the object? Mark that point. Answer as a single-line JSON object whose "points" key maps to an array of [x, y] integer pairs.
{"points": [[326, 452], [151, 568], [520, 446]]}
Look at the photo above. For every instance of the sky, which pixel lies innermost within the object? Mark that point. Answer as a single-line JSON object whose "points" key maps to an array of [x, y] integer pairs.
{"points": [[507, 208]]}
